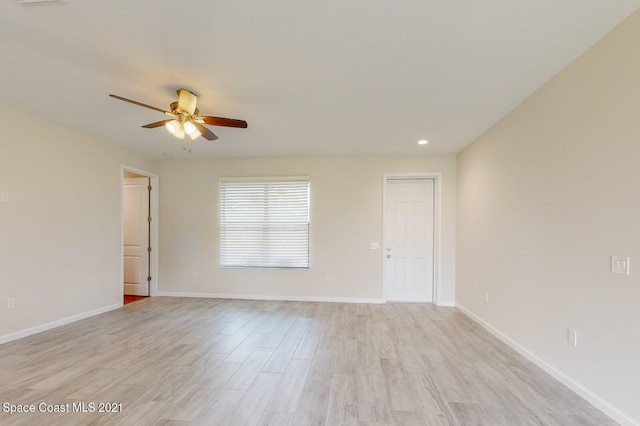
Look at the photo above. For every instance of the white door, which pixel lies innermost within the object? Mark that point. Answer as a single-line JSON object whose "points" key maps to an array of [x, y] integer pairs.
{"points": [[136, 236], [409, 239]]}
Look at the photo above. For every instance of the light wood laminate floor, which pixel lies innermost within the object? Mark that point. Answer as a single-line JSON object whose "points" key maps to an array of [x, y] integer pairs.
{"points": [[181, 361]]}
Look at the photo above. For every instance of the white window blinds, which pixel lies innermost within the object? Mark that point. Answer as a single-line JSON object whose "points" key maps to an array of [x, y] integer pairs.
{"points": [[264, 223]]}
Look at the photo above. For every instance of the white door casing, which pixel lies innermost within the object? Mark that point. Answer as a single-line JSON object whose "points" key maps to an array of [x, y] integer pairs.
{"points": [[136, 236], [409, 246]]}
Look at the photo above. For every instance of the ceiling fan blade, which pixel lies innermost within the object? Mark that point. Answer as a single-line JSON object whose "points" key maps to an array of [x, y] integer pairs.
{"points": [[139, 104], [157, 124], [187, 101], [226, 122], [206, 133]]}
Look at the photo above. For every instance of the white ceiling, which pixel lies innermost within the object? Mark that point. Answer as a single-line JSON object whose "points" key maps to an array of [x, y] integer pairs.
{"points": [[337, 77]]}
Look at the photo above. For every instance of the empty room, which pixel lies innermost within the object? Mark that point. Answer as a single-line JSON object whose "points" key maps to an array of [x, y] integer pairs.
{"points": [[339, 213]]}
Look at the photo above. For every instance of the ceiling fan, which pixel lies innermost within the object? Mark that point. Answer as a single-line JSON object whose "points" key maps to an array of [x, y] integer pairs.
{"points": [[185, 118]]}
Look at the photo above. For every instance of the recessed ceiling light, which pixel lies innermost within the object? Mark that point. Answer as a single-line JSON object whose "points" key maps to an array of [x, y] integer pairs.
{"points": [[423, 142]]}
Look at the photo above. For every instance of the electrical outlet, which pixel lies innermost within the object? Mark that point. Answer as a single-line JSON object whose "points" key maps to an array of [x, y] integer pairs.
{"points": [[4, 197], [572, 337], [11, 303], [486, 297]]}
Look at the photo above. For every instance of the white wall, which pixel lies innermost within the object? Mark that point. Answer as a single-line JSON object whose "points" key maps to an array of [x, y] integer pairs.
{"points": [[60, 234], [544, 199], [346, 215]]}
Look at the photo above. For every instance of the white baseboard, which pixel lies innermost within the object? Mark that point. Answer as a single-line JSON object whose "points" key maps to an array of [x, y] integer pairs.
{"points": [[48, 326], [263, 297], [585, 393], [446, 303]]}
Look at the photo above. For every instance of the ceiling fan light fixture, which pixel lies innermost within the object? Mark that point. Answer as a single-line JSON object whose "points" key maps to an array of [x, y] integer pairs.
{"points": [[172, 126], [175, 128], [179, 133], [191, 130]]}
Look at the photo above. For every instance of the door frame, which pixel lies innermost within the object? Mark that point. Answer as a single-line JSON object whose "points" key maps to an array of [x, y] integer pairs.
{"points": [[437, 227], [153, 228]]}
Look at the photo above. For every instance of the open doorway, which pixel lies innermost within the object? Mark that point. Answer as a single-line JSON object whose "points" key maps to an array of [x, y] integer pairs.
{"points": [[139, 235]]}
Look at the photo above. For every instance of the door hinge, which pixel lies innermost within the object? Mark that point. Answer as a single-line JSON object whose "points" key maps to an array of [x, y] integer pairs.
{"points": [[149, 249], [149, 279], [149, 188], [149, 219]]}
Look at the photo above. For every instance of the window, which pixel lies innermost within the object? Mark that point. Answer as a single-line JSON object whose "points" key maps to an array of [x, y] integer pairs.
{"points": [[264, 223]]}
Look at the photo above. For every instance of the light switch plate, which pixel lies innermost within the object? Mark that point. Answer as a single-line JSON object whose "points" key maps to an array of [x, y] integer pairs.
{"points": [[620, 265], [374, 246]]}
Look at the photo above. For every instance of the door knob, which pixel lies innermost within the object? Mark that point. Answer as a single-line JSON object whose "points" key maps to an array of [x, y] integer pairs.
{"points": [[388, 256]]}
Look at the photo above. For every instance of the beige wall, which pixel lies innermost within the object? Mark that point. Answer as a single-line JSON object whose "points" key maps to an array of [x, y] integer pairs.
{"points": [[545, 198], [60, 235], [346, 215]]}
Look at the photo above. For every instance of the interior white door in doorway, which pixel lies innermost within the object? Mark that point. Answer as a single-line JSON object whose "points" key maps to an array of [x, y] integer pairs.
{"points": [[136, 236], [409, 239]]}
